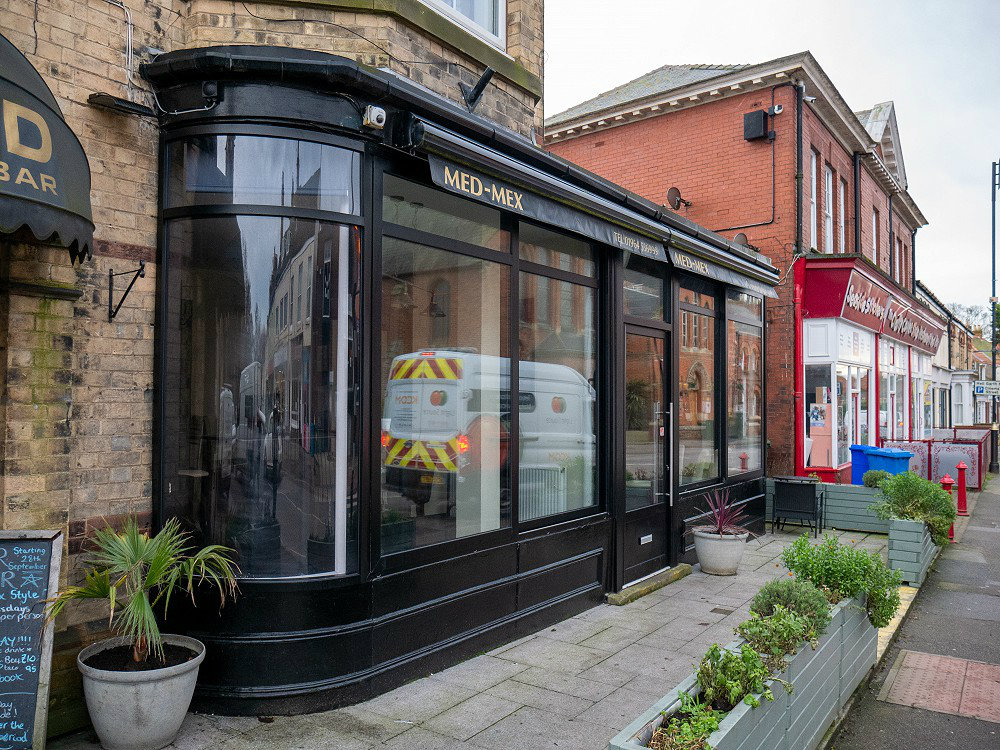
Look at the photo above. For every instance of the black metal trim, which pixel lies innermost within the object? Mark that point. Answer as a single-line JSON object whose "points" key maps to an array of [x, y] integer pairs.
{"points": [[540, 269], [251, 127], [33, 289], [420, 237], [244, 209]]}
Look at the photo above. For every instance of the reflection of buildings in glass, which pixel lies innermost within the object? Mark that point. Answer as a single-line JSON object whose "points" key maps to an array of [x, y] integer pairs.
{"points": [[696, 420]]}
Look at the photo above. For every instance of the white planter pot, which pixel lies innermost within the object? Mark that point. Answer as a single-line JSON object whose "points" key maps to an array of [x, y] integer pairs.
{"points": [[718, 554], [139, 710]]}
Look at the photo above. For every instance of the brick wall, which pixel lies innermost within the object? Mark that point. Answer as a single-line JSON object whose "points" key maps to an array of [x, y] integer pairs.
{"points": [[76, 406], [700, 150]]}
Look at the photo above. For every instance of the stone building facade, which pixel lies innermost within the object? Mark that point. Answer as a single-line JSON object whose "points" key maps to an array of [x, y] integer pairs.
{"points": [[76, 406]]}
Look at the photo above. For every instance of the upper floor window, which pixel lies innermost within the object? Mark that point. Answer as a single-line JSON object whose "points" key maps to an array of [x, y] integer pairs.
{"points": [[813, 190], [875, 235], [842, 218], [828, 210], [483, 17]]}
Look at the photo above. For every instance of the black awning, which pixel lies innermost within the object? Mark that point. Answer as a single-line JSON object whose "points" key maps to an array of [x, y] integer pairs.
{"points": [[44, 173], [471, 183], [701, 267]]}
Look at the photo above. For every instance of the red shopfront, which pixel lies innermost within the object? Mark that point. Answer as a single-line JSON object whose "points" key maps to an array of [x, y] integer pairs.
{"points": [[863, 367]]}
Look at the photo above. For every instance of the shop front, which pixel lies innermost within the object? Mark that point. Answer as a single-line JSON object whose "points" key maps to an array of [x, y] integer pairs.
{"points": [[351, 304], [866, 359]]}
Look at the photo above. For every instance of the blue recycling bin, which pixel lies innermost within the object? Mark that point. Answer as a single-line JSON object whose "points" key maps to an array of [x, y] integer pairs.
{"points": [[859, 462], [890, 460]]}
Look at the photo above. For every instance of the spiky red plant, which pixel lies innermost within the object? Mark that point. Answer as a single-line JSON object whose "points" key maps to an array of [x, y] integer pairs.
{"points": [[725, 517]]}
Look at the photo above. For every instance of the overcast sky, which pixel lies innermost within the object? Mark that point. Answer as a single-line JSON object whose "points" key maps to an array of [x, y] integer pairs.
{"points": [[938, 61]]}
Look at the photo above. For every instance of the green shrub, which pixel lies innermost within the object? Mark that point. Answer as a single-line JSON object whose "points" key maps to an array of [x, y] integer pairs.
{"points": [[798, 596], [728, 677], [689, 728], [776, 635], [842, 571], [912, 497], [874, 477]]}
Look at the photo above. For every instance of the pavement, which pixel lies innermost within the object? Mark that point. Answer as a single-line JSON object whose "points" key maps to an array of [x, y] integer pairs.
{"points": [[957, 616], [572, 685]]}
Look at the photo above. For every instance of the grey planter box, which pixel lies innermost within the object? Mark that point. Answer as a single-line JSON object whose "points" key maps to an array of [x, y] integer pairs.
{"points": [[845, 507], [823, 679], [911, 550]]}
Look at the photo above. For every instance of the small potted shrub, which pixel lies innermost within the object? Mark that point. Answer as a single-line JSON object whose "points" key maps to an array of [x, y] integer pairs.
{"points": [[138, 685], [720, 543]]}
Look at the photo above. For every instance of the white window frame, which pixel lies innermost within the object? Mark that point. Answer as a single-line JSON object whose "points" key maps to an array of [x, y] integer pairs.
{"points": [[497, 40], [814, 188], [828, 246], [843, 220], [875, 235]]}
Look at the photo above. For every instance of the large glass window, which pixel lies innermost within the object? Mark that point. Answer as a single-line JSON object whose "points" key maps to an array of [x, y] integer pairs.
{"points": [[228, 169], [645, 289], [697, 433], [446, 396], [845, 416], [411, 204], [819, 416], [556, 375], [745, 376], [258, 438], [547, 248]]}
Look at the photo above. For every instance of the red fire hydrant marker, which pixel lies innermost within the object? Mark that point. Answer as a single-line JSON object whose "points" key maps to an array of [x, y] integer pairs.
{"points": [[946, 484], [963, 508]]}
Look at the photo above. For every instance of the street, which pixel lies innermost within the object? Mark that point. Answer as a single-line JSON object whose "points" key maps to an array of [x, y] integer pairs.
{"points": [[956, 614]]}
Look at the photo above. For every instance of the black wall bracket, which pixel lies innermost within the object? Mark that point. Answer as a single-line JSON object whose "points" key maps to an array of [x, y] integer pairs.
{"points": [[472, 94], [113, 308]]}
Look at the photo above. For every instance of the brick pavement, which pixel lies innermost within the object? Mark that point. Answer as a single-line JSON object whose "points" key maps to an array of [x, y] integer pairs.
{"points": [[574, 684]]}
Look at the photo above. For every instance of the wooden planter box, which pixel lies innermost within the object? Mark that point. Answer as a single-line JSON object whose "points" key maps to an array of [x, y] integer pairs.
{"points": [[911, 550], [823, 679], [845, 507]]}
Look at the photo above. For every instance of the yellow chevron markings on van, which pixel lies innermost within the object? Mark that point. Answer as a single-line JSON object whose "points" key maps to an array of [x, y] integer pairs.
{"points": [[431, 368]]}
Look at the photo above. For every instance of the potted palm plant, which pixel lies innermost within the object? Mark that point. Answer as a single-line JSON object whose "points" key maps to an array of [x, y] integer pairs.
{"points": [[721, 541], [138, 685]]}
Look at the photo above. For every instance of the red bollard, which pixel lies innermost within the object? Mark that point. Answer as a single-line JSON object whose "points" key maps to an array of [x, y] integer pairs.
{"points": [[963, 508], [744, 458], [946, 484]]}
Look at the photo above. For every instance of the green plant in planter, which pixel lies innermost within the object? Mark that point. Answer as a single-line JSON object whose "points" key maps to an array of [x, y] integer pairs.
{"points": [[874, 477], [136, 572], [912, 497], [798, 596], [689, 728], [842, 571], [776, 635], [728, 677]]}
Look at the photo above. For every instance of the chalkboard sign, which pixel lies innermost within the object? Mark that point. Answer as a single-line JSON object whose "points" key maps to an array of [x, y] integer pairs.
{"points": [[29, 571]]}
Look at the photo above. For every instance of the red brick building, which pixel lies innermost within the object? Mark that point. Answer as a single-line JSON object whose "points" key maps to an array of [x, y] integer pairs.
{"points": [[773, 152]]}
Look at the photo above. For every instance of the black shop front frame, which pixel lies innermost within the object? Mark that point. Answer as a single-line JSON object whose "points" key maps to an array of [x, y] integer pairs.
{"points": [[405, 407]]}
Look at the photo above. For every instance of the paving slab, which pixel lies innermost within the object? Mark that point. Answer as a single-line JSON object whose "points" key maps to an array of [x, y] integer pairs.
{"points": [[471, 716]]}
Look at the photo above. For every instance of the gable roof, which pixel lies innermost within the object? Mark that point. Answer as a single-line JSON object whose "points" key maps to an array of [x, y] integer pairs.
{"points": [[659, 81], [880, 122]]}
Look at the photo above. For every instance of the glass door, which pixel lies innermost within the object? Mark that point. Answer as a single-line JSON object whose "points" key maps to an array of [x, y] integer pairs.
{"points": [[647, 439]]}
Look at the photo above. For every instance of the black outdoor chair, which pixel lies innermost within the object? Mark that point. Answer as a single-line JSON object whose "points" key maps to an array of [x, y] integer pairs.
{"points": [[799, 499]]}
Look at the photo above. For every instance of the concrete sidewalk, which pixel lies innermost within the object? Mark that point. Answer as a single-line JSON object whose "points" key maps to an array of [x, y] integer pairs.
{"points": [[573, 685], [956, 615]]}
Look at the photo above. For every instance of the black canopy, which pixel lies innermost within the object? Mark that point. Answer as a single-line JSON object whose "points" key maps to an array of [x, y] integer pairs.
{"points": [[44, 174]]}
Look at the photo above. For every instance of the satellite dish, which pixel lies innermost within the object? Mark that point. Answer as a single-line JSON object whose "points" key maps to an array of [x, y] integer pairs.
{"points": [[674, 199], [741, 239]]}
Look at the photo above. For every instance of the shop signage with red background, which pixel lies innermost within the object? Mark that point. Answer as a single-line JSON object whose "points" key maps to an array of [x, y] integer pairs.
{"points": [[835, 287]]}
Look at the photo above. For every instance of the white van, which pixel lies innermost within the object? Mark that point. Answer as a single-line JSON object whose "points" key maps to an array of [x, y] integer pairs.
{"points": [[441, 407]]}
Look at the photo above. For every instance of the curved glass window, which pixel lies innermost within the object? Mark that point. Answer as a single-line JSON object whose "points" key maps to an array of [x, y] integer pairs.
{"points": [[260, 403], [258, 441], [250, 169]]}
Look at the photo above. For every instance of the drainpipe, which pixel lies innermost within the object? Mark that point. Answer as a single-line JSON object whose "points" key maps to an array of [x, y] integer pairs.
{"points": [[892, 244], [798, 441], [857, 202], [913, 268], [878, 396]]}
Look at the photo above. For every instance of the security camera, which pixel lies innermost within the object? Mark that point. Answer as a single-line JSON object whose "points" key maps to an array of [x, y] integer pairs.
{"points": [[777, 109], [809, 99], [374, 117]]}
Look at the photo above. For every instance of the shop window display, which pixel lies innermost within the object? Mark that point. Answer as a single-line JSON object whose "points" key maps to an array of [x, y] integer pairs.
{"points": [[697, 435], [744, 340], [445, 430]]}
